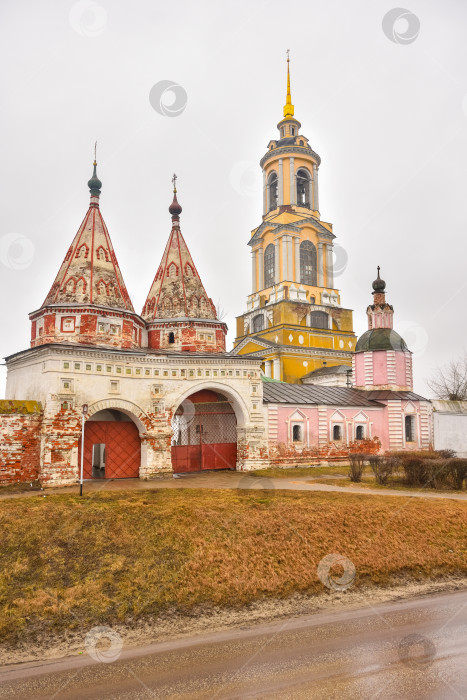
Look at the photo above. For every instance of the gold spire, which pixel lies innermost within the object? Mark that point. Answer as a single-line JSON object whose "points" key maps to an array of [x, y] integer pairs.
{"points": [[288, 107]]}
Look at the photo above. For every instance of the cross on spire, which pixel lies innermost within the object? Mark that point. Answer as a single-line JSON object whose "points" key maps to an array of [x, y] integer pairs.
{"points": [[95, 152], [174, 182]]}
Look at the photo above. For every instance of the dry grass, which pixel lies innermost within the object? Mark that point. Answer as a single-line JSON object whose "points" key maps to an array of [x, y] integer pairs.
{"points": [[369, 482], [292, 472], [71, 563]]}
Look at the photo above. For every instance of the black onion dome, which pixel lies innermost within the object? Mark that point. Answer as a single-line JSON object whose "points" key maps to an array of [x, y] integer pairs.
{"points": [[380, 339], [94, 183], [379, 285], [175, 208]]}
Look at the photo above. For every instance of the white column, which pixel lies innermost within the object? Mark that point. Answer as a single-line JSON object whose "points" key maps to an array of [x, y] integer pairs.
{"points": [[297, 260], [289, 259], [267, 368], [281, 184], [320, 266], [254, 287], [315, 188], [329, 267], [260, 270], [265, 198], [277, 369], [284, 258], [292, 181], [276, 262]]}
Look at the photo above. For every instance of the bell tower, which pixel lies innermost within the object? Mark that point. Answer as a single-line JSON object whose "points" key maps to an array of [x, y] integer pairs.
{"points": [[294, 317]]}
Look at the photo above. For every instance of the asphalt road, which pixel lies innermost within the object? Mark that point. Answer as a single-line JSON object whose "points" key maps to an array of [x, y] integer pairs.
{"points": [[409, 649]]}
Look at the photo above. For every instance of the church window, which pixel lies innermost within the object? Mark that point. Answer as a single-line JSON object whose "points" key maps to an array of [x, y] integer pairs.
{"points": [[171, 338], [88, 368], [410, 428], [272, 185], [98, 368], [297, 432], [319, 319], [114, 329], [128, 370], [82, 251], [68, 325], [66, 365], [172, 270], [301, 143], [337, 433], [303, 188], [258, 323], [102, 254], [307, 263], [360, 432], [269, 266], [292, 130], [101, 328]]}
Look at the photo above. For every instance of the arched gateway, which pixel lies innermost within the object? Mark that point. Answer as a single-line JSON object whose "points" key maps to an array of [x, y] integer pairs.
{"points": [[112, 446], [204, 433]]}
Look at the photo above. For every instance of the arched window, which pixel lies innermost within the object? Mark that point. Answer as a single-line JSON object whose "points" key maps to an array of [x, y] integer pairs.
{"points": [[319, 319], [308, 263], [258, 323], [272, 185], [297, 433], [303, 188], [269, 266], [410, 429], [337, 433], [171, 338], [360, 432]]}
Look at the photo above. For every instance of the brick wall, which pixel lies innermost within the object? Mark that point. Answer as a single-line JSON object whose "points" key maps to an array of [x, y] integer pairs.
{"points": [[20, 429]]}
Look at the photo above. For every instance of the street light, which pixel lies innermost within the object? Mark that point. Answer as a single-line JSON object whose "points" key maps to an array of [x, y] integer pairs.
{"points": [[83, 415]]}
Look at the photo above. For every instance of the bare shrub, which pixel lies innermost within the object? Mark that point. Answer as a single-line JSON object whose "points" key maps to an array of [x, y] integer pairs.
{"points": [[383, 468], [357, 466], [457, 469]]}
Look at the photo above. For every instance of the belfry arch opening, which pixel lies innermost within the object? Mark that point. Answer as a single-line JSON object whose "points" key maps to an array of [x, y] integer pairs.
{"points": [[273, 192], [303, 188], [112, 446], [204, 433]]}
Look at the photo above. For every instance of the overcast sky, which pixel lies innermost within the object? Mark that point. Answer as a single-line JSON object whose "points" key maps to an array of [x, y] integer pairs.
{"points": [[382, 100]]}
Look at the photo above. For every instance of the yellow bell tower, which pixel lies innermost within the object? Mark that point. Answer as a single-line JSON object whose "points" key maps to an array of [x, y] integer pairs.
{"points": [[294, 317]]}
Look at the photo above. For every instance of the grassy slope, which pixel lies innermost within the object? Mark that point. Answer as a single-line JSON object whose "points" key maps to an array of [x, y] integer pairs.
{"points": [[71, 562]]}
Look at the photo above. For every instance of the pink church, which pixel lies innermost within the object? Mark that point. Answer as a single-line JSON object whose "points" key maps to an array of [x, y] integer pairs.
{"points": [[332, 413]]}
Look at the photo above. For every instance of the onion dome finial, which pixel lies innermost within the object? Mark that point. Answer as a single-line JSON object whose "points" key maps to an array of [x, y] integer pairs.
{"points": [[379, 285], [175, 208], [288, 107], [94, 183]]}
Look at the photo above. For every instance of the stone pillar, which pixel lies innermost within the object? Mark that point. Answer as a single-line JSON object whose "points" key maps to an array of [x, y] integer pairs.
{"points": [[320, 265], [267, 368], [315, 188], [277, 369], [254, 287], [289, 259], [276, 262], [284, 258], [260, 270], [329, 267], [292, 181], [265, 195], [297, 260], [280, 193]]}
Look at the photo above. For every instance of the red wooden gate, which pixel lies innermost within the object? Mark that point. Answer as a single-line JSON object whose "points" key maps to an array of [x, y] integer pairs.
{"points": [[205, 434], [112, 450]]}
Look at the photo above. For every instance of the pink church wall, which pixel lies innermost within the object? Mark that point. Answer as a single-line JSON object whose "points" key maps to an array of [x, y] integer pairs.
{"points": [[401, 377], [380, 368], [359, 365]]}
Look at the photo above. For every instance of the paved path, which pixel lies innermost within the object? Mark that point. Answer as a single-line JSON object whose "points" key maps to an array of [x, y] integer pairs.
{"points": [[412, 649], [237, 480]]}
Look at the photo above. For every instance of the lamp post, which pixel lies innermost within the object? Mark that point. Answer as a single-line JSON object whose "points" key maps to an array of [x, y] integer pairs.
{"points": [[83, 415]]}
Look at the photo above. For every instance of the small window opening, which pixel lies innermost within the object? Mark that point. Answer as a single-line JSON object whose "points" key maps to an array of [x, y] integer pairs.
{"points": [[337, 433], [297, 433], [410, 429], [360, 432], [171, 338]]}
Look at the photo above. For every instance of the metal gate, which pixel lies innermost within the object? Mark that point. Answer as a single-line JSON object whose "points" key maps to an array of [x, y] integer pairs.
{"points": [[204, 434], [112, 450]]}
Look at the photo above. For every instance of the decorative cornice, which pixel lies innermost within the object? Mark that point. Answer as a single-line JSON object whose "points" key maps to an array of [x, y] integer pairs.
{"points": [[290, 149], [295, 226], [87, 309]]}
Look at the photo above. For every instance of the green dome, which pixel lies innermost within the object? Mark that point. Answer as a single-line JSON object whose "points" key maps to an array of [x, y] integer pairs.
{"points": [[380, 339], [94, 183]]}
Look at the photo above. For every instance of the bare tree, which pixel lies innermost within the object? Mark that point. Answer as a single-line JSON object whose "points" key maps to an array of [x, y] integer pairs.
{"points": [[220, 311], [450, 380]]}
